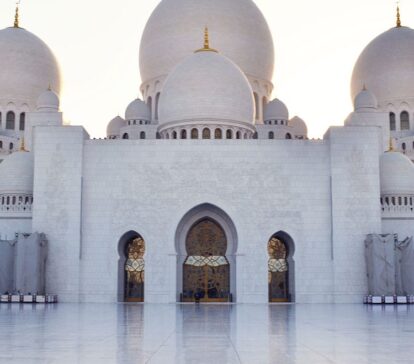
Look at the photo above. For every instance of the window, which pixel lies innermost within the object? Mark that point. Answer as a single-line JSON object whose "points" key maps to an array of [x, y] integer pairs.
{"points": [[10, 120], [229, 134], [22, 122], [11, 146], [288, 136], [238, 135], [392, 121], [0, 119], [256, 102], [157, 100], [405, 120], [194, 133], [142, 135], [271, 135], [403, 146], [149, 103], [206, 133], [1, 144], [218, 134], [183, 134], [125, 136], [174, 135]]}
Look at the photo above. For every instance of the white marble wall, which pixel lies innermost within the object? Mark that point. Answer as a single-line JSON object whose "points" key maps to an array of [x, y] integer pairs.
{"points": [[264, 186], [356, 209]]}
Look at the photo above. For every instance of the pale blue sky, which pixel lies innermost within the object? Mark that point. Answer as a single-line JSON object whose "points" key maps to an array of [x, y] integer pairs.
{"points": [[96, 42]]}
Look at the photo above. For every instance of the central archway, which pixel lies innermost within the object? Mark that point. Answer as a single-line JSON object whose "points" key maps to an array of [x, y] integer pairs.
{"points": [[206, 245], [206, 270]]}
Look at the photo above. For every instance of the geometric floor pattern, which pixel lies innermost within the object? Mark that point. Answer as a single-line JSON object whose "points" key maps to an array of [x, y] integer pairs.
{"points": [[213, 334]]}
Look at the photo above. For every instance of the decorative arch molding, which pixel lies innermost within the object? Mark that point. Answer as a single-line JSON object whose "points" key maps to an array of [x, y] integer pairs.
{"points": [[290, 245], [192, 217], [122, 258]]}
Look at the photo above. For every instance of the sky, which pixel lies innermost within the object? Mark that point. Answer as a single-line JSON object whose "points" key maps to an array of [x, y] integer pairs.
{"points": [[97, 42]]}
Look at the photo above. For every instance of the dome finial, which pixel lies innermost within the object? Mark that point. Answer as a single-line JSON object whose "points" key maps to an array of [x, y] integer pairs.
{"points": [[398, 15], [206, 47], [391, 146], [22, 146], [16, 16]]}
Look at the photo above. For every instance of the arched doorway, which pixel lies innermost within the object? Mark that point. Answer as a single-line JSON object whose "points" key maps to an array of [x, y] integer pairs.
{"points": [[131, 268], [206, 270], [280, 268]]}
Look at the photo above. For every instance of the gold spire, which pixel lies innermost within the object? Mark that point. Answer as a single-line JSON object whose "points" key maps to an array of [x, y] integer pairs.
{"points": [[206, 47], [398, 16], [391, 146], [16, 16], [22, 146]]}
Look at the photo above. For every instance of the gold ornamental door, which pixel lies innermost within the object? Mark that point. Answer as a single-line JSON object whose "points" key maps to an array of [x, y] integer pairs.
{"points": [[278, 271], [135, 271], [206, 270]]}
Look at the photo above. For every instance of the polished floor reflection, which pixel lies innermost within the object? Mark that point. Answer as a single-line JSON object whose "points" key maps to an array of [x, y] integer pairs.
{"points": [[217, 334]]}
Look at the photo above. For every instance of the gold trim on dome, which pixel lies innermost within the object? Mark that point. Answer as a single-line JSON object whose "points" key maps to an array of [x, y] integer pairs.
{"points": [[206, 47]]}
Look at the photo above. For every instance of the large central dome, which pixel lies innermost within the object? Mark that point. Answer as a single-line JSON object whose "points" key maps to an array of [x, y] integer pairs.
{"points": [[237, 28]]}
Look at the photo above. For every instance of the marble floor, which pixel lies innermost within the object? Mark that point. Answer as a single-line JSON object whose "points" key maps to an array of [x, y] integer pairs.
{"points": [[214, 334]]}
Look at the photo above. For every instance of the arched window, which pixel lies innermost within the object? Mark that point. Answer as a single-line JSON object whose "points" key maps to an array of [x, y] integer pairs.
{"points": [[1, 119], [11, 146], [10, 120], [271, 135], [149, 103], [157, 101], [393, 125], [142, 135], [125, 136], [238, 135], [229, 134], [404, 147], [194, 133], [256, 102], [183, 134], [174, 135], [405, 120], [1, 144], [218, 134], [278, 270], [22, 122], [288, 136], [206, 133], [134, 270]]}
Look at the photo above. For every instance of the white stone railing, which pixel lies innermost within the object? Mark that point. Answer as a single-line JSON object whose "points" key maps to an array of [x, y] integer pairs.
{"points": [[16, 203], [397, 205]]}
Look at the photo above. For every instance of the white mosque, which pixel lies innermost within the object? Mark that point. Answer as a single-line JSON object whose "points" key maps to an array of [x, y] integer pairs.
{"points": [[207, 188]]}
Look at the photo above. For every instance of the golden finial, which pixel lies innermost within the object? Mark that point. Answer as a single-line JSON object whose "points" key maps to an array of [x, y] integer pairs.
{"points": [[391, 146], [398, 15], [16, 16], [22, 146], [206, 47]]}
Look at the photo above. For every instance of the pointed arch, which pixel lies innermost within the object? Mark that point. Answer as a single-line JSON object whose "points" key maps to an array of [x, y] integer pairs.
{"points": [[206, 211]]}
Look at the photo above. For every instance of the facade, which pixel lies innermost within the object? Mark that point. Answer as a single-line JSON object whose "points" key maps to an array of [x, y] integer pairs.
{"points": [[207, 189]]}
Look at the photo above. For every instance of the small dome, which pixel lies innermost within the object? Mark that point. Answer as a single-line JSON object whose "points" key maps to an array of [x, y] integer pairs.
{"points": [[397, 174], [16, 173], [299, 126], [206, 86], [138, 110], [237, 28], [114, 127], [365, 101], [276, 110], [386, 66], [27, 67], [48, 101]]}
